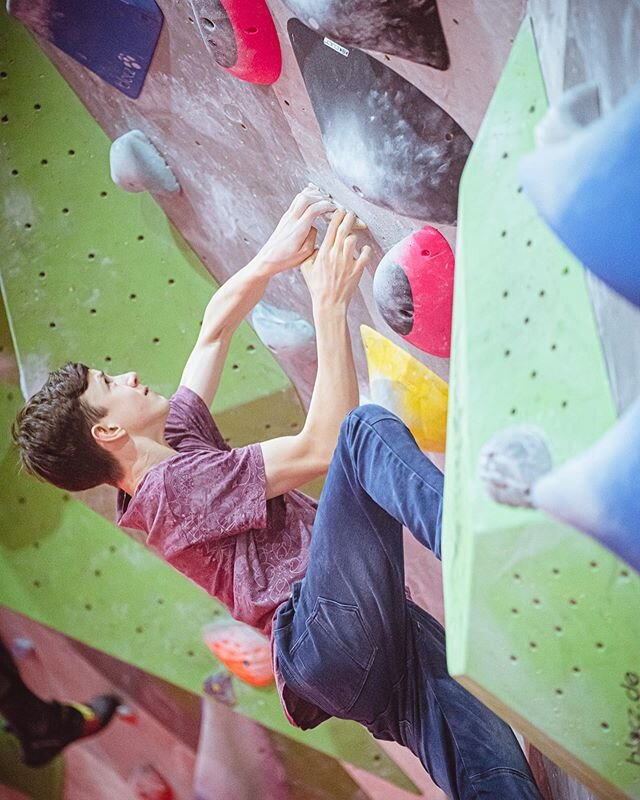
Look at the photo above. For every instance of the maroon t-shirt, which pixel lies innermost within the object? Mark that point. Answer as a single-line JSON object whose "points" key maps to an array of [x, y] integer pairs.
{"points": [[205, 512]]}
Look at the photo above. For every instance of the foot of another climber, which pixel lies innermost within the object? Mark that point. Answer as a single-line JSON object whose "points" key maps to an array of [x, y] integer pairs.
{"points": [[65, 723]]}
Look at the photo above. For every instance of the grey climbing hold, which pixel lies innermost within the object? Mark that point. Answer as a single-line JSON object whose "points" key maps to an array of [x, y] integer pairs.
{"points": [[280, 329], [136, 166], [575, 110], [511, 462]]}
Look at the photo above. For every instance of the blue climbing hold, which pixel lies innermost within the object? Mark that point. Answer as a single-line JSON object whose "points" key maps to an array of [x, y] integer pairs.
{"points": [[597, 491], [587, 188], [115, 39]]}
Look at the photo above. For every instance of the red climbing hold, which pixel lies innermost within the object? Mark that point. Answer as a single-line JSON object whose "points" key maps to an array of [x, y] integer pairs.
{"points": [[242, 38], [413, 288]]}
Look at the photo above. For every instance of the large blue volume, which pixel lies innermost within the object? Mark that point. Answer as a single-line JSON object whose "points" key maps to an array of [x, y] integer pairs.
{"points": [[115, 39], [587, 188]]}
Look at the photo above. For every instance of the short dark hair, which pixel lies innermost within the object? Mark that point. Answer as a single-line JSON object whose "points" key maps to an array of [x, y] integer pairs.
{"points": [[53, 433]]}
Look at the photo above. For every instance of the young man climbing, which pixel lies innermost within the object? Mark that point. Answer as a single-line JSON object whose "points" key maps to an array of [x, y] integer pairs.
{"points": [[346, 640]]}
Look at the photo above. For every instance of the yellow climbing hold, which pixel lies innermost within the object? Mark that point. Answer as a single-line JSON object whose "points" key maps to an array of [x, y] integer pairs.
{"points": [[402, 384]]}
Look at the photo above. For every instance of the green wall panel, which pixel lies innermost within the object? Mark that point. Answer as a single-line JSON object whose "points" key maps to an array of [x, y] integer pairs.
{"points": [[91, 272], [542, 622]]}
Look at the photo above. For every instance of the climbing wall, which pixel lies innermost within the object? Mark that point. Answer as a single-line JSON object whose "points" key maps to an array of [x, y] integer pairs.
{"points": [[541, 621], [83, 254], [240, 150]]}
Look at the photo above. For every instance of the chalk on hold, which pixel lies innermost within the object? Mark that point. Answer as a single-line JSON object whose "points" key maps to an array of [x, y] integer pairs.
{"points": [[137, 166], [280, 329], [576, 109], [587, 188], [402, 384], [411, 30], [244, 651], [413, 289], [597, 491], [395, 147], [510, 463]]}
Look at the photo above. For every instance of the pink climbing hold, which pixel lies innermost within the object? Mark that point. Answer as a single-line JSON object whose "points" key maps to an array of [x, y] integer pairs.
{"points": [[242, 38], [413, 289]]}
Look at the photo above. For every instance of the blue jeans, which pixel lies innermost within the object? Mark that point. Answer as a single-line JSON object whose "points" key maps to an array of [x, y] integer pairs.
{"points": [[350, 642]]}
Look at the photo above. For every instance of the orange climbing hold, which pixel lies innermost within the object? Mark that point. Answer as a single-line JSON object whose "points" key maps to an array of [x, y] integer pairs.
{"points": [[243, 651]]}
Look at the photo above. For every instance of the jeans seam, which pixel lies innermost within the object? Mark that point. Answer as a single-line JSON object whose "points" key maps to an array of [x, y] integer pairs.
{"points": [[371, 425], [500, 771]]}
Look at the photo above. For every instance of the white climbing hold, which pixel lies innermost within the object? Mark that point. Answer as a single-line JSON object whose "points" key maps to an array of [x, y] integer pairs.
{"points": [[137, 166], [511, 462], [280, 329]]}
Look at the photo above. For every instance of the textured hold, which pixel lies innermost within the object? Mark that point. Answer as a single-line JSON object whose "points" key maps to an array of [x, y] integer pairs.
{"points": [[136, 165], [22, 647], [241, 36], [511, 461], [598, 491], [405, 386], [413, 289], [220, 687], [115, 39], [407, 28], [578, 108], [281, 330], [587, 188], [385, 139], [244, 651]]}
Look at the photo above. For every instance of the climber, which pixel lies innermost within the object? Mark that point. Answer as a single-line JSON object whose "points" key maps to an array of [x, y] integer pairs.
{"points": [[326, 582]]}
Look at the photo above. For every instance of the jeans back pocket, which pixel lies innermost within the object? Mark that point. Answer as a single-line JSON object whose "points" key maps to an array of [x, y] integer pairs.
{"points": [[333, 656]]}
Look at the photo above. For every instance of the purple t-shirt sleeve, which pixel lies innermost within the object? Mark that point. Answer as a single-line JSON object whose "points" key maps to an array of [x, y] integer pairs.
{"points": [[190, 420]]}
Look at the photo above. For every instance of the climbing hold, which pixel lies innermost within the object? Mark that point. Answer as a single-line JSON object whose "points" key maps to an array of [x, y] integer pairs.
{"points": [[146, 783], [241, 36], [510, 463], [127, 714], [280, 329], [411, 30], [22, 647], [597, 491], [244, 651], [137, 166], [385, 139], [220, 687], [115, 39], [577, 108], [413, 289], [405, 386], [587, 188]]}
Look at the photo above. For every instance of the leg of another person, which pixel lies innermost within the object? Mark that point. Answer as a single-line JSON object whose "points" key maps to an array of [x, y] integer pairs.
{"points": [[45, 728], [350, 642]]}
